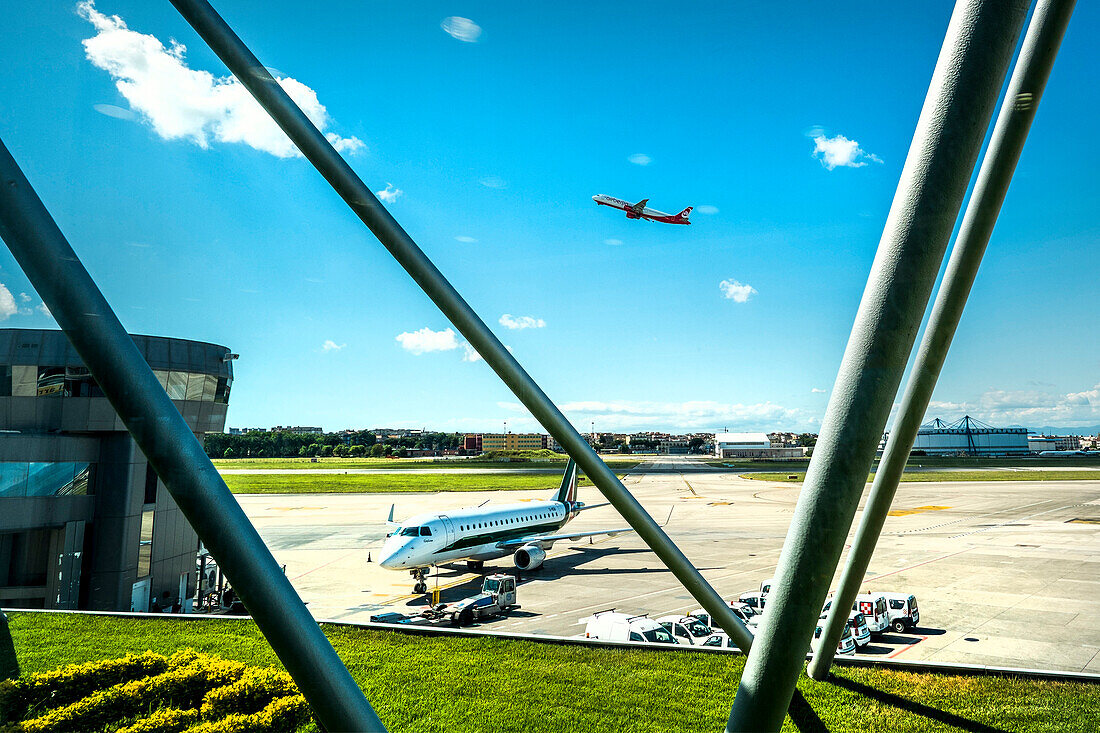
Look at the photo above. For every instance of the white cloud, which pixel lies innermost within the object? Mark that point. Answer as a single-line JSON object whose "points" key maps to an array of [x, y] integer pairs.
{"points": [[8, 308], [465, 240], [44, 310], [707, 209], [463, 29], [388, 194], [24, 298], [184, 103], [735, 291], [469, 354], [520, 322], [815, 390], [1029, 408], [640, 159], [425, 340], [839, 151], [702, 415], [613, 242], [331, 345], [493, 182]]}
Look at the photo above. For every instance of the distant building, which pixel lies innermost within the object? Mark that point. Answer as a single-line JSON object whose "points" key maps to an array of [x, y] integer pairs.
{"points": [[970, 437], [751, 445], [673, 446], [243, 431], [85, 522], [514, 441], [296, 430], [1040, 443]]}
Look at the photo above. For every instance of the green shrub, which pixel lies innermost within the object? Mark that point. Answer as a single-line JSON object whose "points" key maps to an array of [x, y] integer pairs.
{"points": [[165, 720], [250, 694], [183, 686], [279, 716], [70, 683]]}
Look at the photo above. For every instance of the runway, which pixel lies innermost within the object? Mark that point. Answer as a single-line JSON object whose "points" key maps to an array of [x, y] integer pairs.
{"points": [[1005, 572]]}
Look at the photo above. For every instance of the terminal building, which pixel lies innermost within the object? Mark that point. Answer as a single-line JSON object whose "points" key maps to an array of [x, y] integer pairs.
{"points": [[85, 523], [751, 445], [969, 437], [484, 442]]}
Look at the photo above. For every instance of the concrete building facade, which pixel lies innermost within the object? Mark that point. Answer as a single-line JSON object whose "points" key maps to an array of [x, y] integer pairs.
{"points": [[84, 520]]}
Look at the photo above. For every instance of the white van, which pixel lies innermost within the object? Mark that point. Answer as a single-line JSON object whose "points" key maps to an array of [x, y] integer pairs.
{"points": [[688, 630], [754, 600], [743, 611], [611, 626], [902, 610], [874, 610]]}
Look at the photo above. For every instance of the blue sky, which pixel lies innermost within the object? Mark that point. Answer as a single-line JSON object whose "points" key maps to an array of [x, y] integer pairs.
{"points": [[785, 127]]}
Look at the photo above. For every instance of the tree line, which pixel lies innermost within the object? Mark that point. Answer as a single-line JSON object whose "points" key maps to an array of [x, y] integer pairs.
{"points": [[358, 443]]}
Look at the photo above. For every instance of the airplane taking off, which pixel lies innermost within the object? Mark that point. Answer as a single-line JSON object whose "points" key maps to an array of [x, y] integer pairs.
{"points": [[639, 210], [525, 530]]}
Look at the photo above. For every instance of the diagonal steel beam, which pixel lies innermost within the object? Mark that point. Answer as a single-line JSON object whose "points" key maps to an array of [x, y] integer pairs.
{"points": [[175, 454], [1025, 89], [252, 74], [971, 68]]}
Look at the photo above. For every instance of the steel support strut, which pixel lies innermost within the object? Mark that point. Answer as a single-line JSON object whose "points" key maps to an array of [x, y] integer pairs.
{"points": [[252, 74], [175, 454], [1044, 36], [969, 72]]}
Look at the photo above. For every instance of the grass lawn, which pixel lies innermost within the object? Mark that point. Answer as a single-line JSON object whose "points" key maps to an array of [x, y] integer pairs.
{"points": [[952, 476], [386, 483], [304, 464], [484, 684]]}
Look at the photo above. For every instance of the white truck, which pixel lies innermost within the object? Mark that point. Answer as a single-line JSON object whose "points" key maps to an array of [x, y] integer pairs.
{"points": [[611, 626], [902, 610], [498, 595], [689, 630], [742, 610]]}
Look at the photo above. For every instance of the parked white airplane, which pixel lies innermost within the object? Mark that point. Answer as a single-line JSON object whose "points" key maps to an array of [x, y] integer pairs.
{"points": [[525, 530]]}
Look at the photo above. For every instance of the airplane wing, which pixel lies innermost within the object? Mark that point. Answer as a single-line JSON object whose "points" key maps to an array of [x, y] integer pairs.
{"points": [[537, 538], [639, 206]]}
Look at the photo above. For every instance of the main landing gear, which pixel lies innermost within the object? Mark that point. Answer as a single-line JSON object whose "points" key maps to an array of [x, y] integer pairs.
{"points": [[419, 574]]}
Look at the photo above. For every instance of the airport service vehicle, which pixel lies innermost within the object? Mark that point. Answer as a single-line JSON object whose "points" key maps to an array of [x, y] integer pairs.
{"points": [[754, 600], [857, 624], [744, 611], [873, 608], [497, 596], [902, 610], [611, 626], [524, 530], [687, 630], [639, 210], [846, 645], [766, 586]]}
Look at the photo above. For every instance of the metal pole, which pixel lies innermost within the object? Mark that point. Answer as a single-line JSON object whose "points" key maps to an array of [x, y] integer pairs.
{"points": [[252, 74], [175, 454], [1044, 36], [968, 76]]}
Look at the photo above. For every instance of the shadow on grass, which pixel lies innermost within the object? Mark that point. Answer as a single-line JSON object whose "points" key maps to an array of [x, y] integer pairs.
{"points": [[804, 717], [887, 698]]}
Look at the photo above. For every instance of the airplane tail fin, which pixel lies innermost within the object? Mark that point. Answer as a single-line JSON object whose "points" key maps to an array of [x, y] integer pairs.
{"points": [[567, 492], [685, 213]]}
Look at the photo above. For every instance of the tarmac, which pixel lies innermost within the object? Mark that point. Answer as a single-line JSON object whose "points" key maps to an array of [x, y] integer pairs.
{"points": [[1006, 573]]}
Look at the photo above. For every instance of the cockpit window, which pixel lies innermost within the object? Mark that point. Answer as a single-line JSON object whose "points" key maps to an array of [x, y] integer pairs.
{"points": [[409, 532], [425, 532]]}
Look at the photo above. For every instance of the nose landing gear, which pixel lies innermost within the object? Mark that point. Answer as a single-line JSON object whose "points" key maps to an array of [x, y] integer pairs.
{"points": [[419, 574]]}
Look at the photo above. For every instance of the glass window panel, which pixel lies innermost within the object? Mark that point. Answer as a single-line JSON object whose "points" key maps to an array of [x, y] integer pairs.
{"points": [[24, 381], [51, 381], [162, 377], [5, 380], [221, 395], [209, 387], [82, 482], [51, 479], [194, 386], [177, 385], [13, 479], [145, 544]]}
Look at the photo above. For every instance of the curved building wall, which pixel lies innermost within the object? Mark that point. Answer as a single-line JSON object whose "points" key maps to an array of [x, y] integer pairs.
{"points": [[84, 520]]}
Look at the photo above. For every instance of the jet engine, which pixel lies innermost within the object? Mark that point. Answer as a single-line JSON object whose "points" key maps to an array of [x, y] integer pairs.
{"points": [[529, 557]]}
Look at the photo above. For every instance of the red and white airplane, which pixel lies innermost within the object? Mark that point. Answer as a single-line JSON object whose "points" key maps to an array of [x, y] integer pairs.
{"points": [[639, 210]]}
